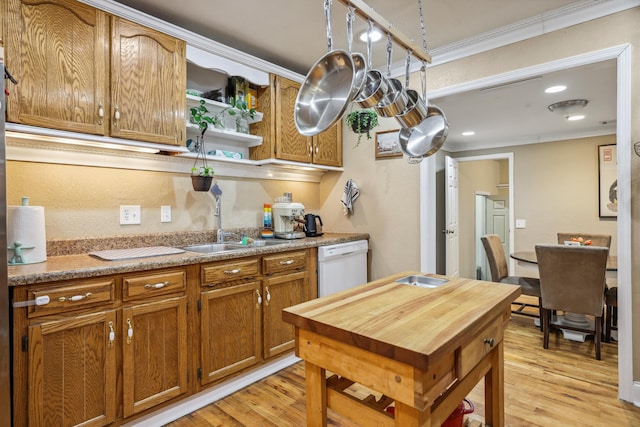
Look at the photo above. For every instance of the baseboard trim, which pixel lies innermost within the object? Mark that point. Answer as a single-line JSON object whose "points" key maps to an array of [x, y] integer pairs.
{"points": [[213, 394]]}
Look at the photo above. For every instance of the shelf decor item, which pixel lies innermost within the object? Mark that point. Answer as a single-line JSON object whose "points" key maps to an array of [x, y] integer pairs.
{"points": [[361, 122], [243, 112]]}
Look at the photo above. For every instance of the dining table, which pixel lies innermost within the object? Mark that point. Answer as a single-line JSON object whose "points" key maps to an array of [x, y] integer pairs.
{"points": [[528, 259]]}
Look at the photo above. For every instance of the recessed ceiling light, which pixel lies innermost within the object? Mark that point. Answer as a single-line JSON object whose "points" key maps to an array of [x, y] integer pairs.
{"points": [[468, 133], [555, 89], [376, 35], [576, 117]]}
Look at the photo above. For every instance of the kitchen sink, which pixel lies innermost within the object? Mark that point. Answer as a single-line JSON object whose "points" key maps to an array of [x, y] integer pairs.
{"points": [[209, 248], [422, 281]]}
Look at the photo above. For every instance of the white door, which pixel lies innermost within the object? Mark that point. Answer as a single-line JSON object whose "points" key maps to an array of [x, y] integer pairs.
{"points": [[498, 219], [451, 220]]}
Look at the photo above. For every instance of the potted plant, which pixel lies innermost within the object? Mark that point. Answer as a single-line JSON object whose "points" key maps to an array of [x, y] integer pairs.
{"points": [[201, 176], [242, 121], [362, 121]]}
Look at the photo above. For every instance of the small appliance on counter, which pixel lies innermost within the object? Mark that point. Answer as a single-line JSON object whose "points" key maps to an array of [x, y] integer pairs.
{"points": [[286, 216], [311, 226]]}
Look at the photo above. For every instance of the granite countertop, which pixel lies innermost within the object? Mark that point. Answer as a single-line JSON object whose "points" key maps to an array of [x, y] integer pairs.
{"points": [[66, 264]]}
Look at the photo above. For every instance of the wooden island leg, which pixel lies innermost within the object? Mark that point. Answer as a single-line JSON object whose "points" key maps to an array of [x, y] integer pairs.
{"points": [[494, 389], [407, 416], [316, 395]]}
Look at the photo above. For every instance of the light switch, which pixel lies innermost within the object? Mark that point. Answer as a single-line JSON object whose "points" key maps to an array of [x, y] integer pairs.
{"points": [[521, 223]]}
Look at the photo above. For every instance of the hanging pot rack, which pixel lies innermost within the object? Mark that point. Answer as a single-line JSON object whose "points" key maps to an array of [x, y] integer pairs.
{"points": [[365, 12]]}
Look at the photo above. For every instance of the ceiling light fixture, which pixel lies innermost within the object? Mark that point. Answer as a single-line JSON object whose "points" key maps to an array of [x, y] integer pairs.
{"points": [[569, 109], [555, 89], [468, 133], [376, 35]]}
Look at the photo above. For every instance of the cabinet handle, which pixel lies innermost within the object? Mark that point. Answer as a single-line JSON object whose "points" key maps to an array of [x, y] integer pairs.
{"points": [[287, 262], [259, 301], [268, 295], [234, 271], [75, 298], [112, 334], [489, 341], [129, 332], [100, 113], [156, 285], [116, 115]]}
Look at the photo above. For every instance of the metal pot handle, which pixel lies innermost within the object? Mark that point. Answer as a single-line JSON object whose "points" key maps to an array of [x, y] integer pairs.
{"points": [[389, 50], [350, 16], [407, 69], [327, 15], [369, 31]]}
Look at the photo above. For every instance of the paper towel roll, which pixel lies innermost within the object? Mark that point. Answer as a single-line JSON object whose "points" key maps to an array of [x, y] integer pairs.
{"points": [[25, 224]]}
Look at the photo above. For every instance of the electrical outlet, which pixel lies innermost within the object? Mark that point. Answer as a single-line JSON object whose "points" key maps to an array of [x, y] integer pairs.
{"points": [[129, 215], [165, 213]]}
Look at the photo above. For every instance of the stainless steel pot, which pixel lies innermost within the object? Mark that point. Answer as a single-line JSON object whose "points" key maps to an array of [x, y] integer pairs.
{"points": [[327, 89], [427, 137], [394, 101], [414, 112]]}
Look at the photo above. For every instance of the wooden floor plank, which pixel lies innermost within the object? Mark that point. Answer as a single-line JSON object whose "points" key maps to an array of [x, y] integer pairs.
{"points": [[562, 386]]}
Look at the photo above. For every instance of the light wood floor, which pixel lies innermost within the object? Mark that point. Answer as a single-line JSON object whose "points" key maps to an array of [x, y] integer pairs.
{"points": [[561, 386]]}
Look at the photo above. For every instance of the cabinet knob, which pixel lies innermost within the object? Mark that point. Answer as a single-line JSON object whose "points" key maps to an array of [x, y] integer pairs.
{"points": [[100, 112], [489, 341], [129, 331], [112, 334], [268, 295], [116, 115], [234, 271], [259, 300], [287, 262]]}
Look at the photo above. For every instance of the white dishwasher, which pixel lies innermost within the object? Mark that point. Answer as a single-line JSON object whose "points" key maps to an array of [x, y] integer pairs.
{"points": [[342, 266]]}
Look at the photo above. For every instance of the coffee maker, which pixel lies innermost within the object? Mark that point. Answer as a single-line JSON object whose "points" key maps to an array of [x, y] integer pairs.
{"points": [[286, 216]]}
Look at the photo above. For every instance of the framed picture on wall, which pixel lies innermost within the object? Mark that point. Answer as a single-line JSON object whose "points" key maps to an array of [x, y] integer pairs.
{"points": [[608, 180], [388, 144]]}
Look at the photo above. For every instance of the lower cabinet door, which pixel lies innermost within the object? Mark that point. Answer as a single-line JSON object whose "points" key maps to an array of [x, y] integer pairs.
{"points": [[230, 327], [72, 371], [154, 342], [279, 293]]}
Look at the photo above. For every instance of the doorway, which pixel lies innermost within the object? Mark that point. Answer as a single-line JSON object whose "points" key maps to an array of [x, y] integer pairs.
{"points": [[429, 201]]}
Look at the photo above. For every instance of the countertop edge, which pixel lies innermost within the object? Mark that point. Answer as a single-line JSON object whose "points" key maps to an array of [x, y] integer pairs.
{"points": [[67, 267]]}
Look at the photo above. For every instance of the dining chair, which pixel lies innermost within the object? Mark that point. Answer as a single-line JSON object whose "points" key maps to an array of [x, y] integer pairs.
{"points": [[500, 273], [572, 280]]}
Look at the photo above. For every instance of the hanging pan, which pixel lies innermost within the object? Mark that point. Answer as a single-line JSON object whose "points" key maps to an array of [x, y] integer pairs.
{"points": [[416, 110], [375, 85], [395, 100], [326, 91], [359, 62], [425, 138]]}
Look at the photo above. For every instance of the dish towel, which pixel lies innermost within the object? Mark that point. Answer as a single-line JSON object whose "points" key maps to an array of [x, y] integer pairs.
{"points": [[349, 197]]}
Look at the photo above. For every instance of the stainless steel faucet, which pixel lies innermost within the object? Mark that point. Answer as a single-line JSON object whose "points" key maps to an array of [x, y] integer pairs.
{"points": [[220, 238]]}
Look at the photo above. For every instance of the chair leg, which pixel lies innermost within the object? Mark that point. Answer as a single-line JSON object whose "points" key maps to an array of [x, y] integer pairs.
{"points": [[608, 321], [597, 336], [545, 327], [540, 313]]}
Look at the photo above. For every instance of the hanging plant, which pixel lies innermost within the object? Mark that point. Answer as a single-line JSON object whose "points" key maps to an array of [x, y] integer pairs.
{"points": [[201, 176], [361, 122]]}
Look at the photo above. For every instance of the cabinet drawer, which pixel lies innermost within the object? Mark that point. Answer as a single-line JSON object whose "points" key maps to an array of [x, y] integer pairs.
{"points": [[228, 271], [70, 296], [289, 261], [159, 283], [481, 344]]}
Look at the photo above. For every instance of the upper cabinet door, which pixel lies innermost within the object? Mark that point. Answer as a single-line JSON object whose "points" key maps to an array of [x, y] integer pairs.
{"points": [[291, 144], [57, 51], [327, 146], [148, 81]]}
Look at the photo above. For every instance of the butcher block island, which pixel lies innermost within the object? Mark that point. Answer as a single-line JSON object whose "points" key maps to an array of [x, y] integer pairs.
{"points": [[423, 347]]}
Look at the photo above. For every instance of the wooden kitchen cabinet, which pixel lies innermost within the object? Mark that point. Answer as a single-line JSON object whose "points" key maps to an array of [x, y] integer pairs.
{"points": [[230, 323], [72, 370], [59, 52], [285, 284], [78, 337], [281, 139], [154, 339]]}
